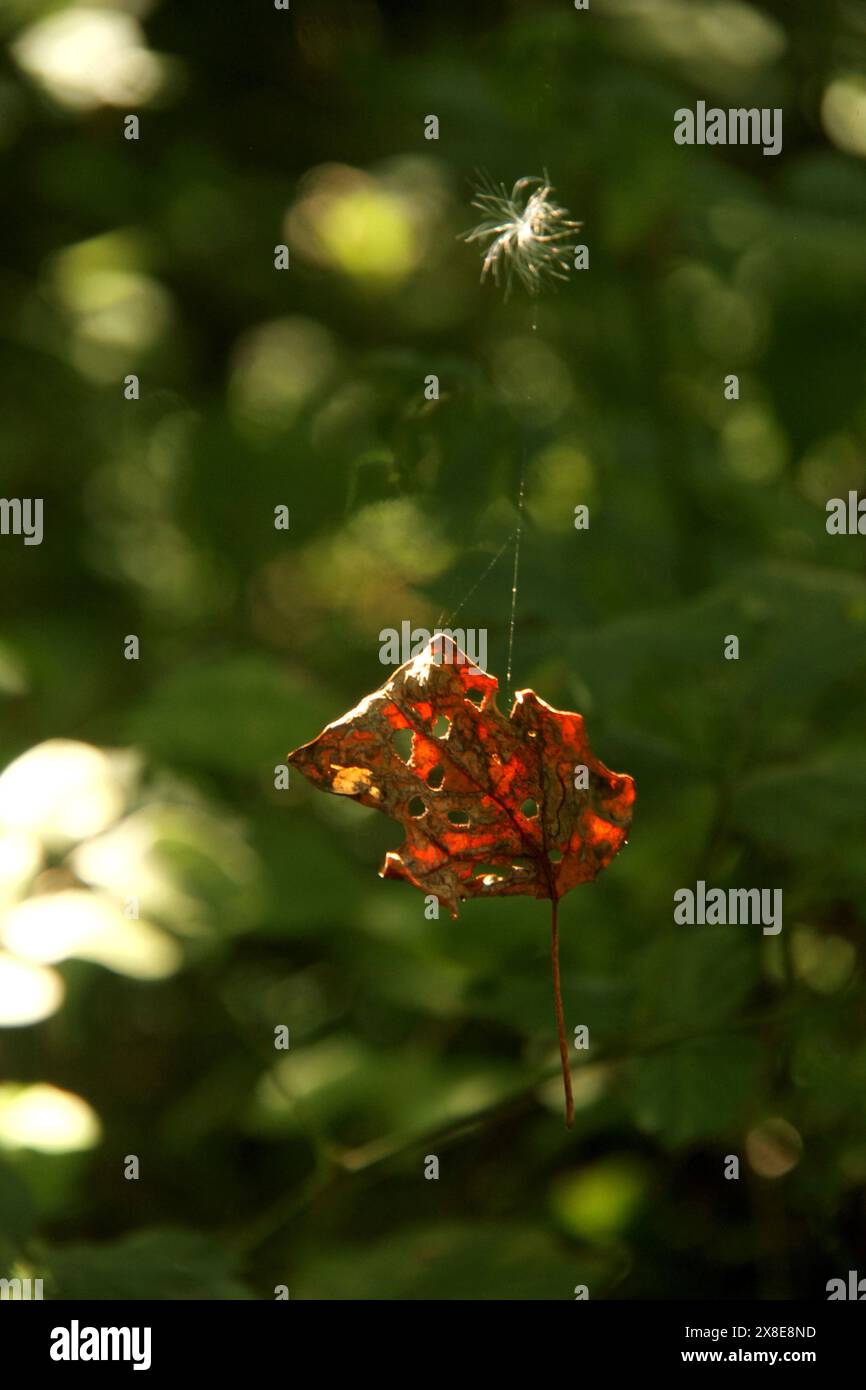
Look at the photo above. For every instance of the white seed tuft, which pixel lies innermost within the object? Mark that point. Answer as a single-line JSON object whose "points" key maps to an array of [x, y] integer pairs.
{"points": [[528, 236]]}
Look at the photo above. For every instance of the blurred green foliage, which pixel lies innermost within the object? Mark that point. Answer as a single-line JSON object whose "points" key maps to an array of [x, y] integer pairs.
{"points": [[153, 1036]]}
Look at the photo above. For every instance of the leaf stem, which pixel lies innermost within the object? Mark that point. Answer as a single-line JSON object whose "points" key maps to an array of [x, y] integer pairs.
{"points": [[560, 1017]]}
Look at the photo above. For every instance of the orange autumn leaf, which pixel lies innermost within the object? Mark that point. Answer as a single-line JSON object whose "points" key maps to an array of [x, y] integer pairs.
{"points": [[489, 804]]}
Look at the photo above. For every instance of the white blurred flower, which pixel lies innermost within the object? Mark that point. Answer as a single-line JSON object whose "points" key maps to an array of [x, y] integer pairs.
{"points": [[63, 791], [87, 57], [44, 1118]]}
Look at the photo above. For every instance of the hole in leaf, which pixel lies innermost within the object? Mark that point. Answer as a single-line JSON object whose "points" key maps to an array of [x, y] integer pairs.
{"points": [[435, 777], [529, 807], [441, 726], [417, 807], [476, 696], [554, 855], [403, 743], [488, 871], [458, 817]]}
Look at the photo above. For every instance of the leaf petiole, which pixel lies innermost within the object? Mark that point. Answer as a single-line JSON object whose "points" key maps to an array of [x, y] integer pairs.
{"points": [[560, 1016]]}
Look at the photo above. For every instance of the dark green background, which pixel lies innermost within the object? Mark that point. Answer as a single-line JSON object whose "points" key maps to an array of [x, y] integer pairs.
{"points": [[305, 388]]}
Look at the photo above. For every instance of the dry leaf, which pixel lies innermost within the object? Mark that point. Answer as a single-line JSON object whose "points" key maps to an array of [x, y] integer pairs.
{"points": [[489, 805]]}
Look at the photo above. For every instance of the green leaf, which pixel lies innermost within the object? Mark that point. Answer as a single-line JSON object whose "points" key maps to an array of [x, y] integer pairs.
{"points": [[800, 630], [159, 1264], [805, 808], [502, 1262], [694, 1090], [695, 977], [16, 1211], [238, 714]]}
